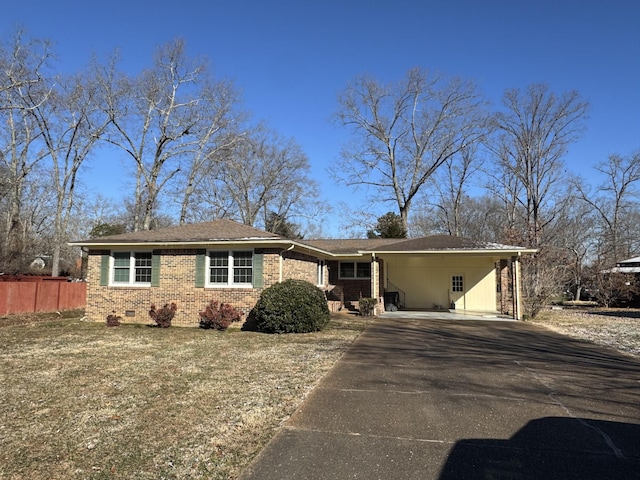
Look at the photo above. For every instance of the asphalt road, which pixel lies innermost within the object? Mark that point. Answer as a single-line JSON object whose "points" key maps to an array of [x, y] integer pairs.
{"points": [[442, 399]]}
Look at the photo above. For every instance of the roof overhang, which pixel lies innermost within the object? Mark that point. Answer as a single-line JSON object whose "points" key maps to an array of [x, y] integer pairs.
{"points": [[286, 244], [283, 243], [487, 252]]}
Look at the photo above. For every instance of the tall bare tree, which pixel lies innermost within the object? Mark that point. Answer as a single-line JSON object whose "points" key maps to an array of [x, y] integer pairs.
{"points": [[219, 136], [403, 132], [160, 120], [24, 84], [70, 123], [534, 132]]}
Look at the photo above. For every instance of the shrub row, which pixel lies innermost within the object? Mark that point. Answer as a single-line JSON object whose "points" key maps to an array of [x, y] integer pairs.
{"points": [[215, 315], [292, 306]]}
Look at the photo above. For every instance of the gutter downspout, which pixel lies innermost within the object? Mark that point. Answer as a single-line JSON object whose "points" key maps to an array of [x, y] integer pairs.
{"points": [[281, 261]]}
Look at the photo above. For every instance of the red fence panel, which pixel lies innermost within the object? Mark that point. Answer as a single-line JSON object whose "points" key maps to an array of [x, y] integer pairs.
{"points": [[19, 297], [72, 295], [41, 296], [47, 297]]}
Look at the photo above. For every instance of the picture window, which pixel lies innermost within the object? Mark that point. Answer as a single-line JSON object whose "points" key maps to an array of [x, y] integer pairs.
{"points": [[355, 270], [230, 268]]}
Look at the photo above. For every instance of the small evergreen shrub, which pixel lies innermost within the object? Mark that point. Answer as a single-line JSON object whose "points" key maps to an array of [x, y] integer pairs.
{"points": [[292, 306], [366, 306], [113, 320], [164, 315], [219, 316]]}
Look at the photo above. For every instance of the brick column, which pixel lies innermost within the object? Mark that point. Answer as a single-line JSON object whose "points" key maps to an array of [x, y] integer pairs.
{"points": [[504, 282], [517, 303]]}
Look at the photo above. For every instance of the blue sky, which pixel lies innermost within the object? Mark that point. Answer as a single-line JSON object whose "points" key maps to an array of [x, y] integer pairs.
{"points": [[290, 58]]}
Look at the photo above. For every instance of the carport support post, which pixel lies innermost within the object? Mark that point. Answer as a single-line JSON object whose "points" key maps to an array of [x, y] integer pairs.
{"points": [[375, 281], [517, 304]]}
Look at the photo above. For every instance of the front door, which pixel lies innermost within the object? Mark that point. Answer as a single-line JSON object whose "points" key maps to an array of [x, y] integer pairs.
{"points": [[457, 292]]}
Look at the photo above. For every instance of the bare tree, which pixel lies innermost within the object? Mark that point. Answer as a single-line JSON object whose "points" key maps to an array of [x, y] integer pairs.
{"points": [[448, 190], [20, 63], [574, 231], [23, 85], [209, 199], [609, 286], [156, 120], [616, 205], [266, 174], [220, 134], [403, 132], [504, 186], [533, 134], [70, 123]]}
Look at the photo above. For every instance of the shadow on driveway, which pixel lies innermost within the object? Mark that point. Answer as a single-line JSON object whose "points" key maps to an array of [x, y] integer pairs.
{"points": [[550, 448]]}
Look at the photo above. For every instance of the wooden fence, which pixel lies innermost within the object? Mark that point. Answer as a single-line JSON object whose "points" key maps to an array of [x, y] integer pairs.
{"points": [[41, 294]]}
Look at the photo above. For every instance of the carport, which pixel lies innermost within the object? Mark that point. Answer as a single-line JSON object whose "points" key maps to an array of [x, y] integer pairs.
{"points": [[447, 273]]}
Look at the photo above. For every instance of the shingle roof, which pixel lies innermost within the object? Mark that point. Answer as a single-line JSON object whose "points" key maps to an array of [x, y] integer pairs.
{"points": [[430, 243], [217, 230], [346, 246], [225, 230]]}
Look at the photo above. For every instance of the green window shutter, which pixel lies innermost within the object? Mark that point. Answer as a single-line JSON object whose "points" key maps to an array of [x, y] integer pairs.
{"points": [[155, 268], [258, 269], [200, 268], [104, 270]]}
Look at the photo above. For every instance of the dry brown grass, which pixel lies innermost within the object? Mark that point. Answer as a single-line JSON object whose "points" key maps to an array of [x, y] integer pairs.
{"points": [[614, 328], [81, 400]]}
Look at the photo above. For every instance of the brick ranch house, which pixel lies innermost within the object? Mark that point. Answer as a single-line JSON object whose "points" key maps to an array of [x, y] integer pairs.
{"points": [[233, 263]]}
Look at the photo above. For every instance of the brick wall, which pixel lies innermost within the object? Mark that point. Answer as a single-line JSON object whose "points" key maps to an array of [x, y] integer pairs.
{"points": [[299, 266], [177, 284]]}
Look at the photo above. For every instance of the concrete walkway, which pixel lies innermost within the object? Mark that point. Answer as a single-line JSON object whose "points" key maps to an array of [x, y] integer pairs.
{"points": [[446, 315], [435, 399]]}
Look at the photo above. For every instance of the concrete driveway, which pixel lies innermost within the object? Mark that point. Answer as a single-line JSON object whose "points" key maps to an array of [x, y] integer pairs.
{"points": [[443, 399]]}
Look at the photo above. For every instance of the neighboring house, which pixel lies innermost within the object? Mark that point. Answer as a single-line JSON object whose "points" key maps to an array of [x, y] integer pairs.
{"points": [[631, 265], [232, 263]]}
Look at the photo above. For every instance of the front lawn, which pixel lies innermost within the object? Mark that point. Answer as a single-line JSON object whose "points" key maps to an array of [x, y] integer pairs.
{"points": [[81, 400]]}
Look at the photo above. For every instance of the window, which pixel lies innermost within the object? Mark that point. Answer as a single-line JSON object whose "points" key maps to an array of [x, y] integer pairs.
{"points": [[320, 275], [229, 268], [131, 268], [457, 283], [219, 267], [355, 270], [242, 267]]}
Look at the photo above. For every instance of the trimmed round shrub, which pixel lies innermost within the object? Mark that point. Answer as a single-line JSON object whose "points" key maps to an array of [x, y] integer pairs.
{"points": [[293, 306]]}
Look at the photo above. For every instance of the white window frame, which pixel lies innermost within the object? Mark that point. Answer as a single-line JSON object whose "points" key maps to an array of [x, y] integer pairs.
{"points": [[131, 282], [320, 277], [230, 270], [355, 271], [457, 283]]}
